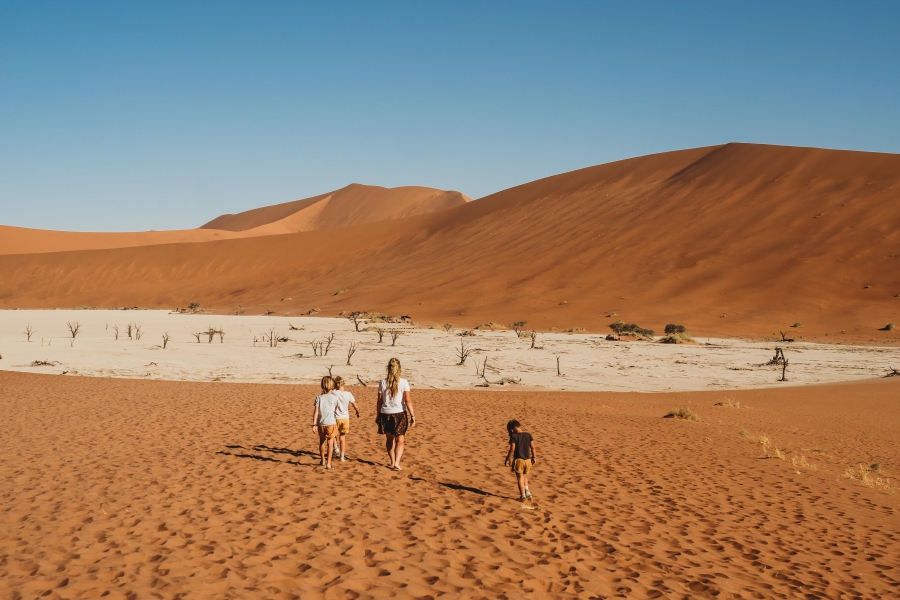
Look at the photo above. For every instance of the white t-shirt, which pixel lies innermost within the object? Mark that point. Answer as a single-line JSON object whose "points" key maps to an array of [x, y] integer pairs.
{"points": [[393, 405], [345, 399], [327, 403]]}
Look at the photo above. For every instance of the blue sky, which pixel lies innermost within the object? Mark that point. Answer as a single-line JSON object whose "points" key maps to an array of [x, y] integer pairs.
{"points": [[134, 116]]}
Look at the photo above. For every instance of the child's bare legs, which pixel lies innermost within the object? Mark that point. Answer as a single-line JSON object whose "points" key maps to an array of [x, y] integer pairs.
{"points": [[342, 444], [325, 447], [522, 480]]}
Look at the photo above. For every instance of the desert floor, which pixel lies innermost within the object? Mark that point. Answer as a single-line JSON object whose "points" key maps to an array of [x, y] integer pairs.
{"points": [[158, 489], [588, 362]]}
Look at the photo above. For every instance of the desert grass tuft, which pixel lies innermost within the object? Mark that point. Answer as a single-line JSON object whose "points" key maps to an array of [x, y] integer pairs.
{"points": [[800, 461], [868, 478], [683, 413], [743, 432], [729, 402]]}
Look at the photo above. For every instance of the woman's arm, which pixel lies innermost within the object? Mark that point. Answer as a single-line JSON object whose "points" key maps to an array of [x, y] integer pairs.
{"points": [[412, 413]]}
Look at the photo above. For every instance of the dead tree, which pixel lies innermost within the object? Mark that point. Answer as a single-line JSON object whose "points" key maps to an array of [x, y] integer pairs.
{"points": [[130, 331], [519, 327], [357, 318], [480, 370], [533, 337], [292, 328], [360, 380], [272, 338], [894, 372], [221, 333], [197, 335], [463, 353], [166, 337], [778, 359], [784, 367], [74, 330], [138, 332], [448, 327], [558, 372], [329, 370], [210, 334], [28, 332], [116, 329], [395, 333], [351, 352], [380, 335], [784, 337], [315, 347], [328, 344]]}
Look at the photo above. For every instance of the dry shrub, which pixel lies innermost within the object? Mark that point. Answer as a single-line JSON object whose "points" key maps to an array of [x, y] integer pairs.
{"points": [[800, 461], [764, 440], [677, 338], [683, 413], [743, 432], [869, 478], [729, 402]]}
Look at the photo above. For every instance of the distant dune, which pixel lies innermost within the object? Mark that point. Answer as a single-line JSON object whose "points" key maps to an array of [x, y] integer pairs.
{"points": [[737, 239], [350, 205]]}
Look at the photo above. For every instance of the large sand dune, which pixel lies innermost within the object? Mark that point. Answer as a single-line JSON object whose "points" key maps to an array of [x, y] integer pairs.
{"points": [[350, 205], [730, 240], [134, 489]]}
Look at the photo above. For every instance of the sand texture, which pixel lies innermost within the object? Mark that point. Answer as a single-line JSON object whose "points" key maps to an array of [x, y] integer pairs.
{"points": [[587, 361], [731, 240], [348, 206], [150, 489]]}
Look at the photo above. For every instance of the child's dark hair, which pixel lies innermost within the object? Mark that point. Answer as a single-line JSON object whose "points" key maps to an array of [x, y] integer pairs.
{"points": [[512, 425]]}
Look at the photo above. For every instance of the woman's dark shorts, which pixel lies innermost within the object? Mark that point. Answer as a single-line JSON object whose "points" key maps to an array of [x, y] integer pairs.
{"points": [[396, 424]]}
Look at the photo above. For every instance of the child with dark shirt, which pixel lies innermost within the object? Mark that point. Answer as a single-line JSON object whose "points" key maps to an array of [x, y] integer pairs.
{"points": [[520, 457]]}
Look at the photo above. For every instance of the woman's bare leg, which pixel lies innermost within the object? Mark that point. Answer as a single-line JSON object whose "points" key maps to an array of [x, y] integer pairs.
{"points": [[389, 446], [398, 451]]}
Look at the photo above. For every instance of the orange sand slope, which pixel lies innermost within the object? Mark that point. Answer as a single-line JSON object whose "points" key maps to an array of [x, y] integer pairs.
{"points": [[146, 489], [732, 240], [352, 204]]}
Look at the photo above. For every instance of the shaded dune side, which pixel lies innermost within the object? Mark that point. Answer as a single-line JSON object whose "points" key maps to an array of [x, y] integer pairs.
{"points": [[731, 240], [352, 204]]}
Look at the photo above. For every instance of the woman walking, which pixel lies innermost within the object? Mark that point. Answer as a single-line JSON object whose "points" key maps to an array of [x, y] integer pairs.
{"points": [[393, 403]]}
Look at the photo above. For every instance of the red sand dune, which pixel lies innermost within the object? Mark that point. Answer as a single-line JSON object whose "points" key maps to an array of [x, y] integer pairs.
{"points": [[350, 205], [738, 239], [145, 489]]}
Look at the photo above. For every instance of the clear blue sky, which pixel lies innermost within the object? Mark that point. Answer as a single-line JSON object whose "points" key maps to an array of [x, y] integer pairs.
{"points": [[156, 115]]}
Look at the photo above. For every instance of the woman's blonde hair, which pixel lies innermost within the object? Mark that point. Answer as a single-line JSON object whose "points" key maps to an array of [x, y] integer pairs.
{"points": [[327, 384], [393, 376]]}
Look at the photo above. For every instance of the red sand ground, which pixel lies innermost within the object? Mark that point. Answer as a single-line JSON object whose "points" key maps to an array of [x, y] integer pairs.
{"points": [[139, 489], [734, 240]]}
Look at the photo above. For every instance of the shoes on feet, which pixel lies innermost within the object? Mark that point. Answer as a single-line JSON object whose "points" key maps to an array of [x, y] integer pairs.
{"points": [[528, 495], [329, 468], [522, 498], [343, 459]]}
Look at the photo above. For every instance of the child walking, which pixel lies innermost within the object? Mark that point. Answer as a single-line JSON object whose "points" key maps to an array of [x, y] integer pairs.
{"points": [[342, 416], [324, 422], [520, 457]]}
